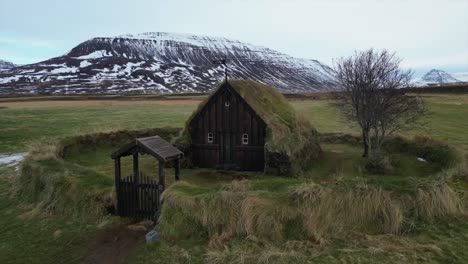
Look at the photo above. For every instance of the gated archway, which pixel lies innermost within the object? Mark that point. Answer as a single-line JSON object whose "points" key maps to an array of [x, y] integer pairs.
{"points": [[138, 195]]}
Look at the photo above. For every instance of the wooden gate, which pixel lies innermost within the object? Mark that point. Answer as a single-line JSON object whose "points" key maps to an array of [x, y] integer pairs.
{"points": [[138, 197]]}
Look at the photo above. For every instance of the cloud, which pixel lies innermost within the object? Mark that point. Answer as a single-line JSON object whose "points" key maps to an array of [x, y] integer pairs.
{"points": [[19, 57], [27, 42], [452, 60], [425, 33]]}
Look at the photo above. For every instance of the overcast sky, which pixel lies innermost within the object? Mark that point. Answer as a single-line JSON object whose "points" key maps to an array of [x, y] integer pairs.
{"points": [[426, 34]]}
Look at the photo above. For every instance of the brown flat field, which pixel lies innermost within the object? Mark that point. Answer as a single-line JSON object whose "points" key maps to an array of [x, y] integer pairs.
{"points": [[84, 103], [99, 100]]}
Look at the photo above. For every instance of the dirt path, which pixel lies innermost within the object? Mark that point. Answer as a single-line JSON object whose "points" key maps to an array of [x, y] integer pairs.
{"points": [[116, 244]]}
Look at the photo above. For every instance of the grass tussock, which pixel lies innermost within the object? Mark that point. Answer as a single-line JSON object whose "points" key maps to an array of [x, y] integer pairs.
{"points": [[234, 210], [438, 200], [42, 151], [54, 186], [330, 212], [310, 211]]}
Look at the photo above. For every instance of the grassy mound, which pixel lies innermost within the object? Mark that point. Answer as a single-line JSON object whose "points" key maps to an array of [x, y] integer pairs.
{"points": [[291, 143], [308, 211], [56, 185], [323, 206], [433, 151], [83, 143]]}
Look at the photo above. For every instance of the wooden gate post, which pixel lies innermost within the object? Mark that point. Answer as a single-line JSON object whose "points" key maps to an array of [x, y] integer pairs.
{"points": [[117, 184], [136, 170], [136, 175], [162, 182]]}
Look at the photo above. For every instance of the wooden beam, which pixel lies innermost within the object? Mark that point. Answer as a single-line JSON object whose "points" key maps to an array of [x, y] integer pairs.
{"points": [[162, 180], [136, 176], [117, 183], [136, 169], [177, 169]]}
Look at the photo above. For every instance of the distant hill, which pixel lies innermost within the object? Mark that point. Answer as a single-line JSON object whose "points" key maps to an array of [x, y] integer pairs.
{"points": [[160, 62], [6, 65], [436, 77]]}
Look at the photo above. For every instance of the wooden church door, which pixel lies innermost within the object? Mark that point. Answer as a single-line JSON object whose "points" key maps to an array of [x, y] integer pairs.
{"points": [[227, 146]]}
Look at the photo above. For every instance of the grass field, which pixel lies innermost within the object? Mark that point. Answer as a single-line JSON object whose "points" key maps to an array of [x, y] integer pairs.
{"points": [[32, 237], [20, 127], [55, 239]]}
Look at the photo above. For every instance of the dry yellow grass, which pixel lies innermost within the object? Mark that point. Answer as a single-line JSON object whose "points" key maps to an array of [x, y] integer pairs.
{"points": [[438, 200], [327, 211], [320, 213]]}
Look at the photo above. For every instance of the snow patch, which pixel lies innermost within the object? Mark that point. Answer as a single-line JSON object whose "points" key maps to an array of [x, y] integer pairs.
{"points": [[96, 55], [85, 63], [9, 79], [11, 160], [65, 70], [65, 77]]}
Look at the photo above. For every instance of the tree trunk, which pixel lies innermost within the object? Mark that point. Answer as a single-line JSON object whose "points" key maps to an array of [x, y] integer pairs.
{"points": [[365, 140], [377, 145], [379, 136]]}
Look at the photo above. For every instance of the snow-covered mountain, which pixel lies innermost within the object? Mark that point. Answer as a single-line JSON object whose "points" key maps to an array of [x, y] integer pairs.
{"points": [[6, 65], [434, 77], [163, 63]]}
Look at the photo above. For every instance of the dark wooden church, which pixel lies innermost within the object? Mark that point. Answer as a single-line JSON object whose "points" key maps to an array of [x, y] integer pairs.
{"points": [[228, 133], [242, 125]]}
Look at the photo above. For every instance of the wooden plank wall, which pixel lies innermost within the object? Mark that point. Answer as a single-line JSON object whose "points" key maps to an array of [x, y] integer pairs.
{"points": [[234, 121]]}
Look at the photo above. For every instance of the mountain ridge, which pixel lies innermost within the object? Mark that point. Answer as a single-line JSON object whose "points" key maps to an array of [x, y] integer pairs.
{"points": [[6, 65], [161, 62]]}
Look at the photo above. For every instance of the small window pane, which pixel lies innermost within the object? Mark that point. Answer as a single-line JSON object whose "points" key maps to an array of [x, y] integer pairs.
{"points": [[245, 139], [210, 137]]}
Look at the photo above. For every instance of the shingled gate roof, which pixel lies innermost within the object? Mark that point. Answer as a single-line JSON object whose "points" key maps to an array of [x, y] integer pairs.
{"points": [[155, 146]]}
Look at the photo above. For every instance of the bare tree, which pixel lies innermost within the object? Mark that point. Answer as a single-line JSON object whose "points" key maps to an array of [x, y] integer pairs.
{"points": [[374, 96]]}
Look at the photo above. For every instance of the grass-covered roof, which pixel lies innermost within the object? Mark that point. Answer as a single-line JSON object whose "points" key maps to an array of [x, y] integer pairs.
{"points": [[283, 123], [288, 132], [268, 103]]}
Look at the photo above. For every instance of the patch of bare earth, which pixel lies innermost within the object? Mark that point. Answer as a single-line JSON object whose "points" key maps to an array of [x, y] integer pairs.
{"points": [[114, 245]]}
